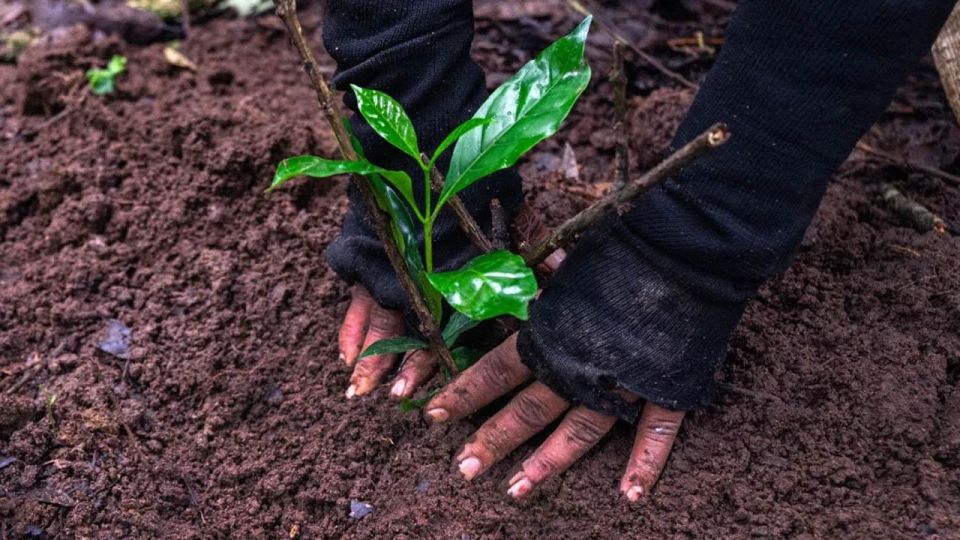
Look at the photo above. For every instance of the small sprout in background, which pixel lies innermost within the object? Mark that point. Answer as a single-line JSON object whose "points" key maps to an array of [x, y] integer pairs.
{"points": [[102, 80], [50, 400]]}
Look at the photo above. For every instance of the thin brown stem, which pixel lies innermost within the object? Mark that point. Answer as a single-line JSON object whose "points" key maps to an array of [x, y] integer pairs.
{"points": [[618, 79], [499, 231], [615, 201], [900, 160], [287, 11], [469, 225], [609, 28]]}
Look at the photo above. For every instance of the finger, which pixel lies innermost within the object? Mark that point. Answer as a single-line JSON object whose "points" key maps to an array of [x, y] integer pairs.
{"points": [[416, 370], [355, 324], [526, 415], [369, 371], [579, 431], [498, 372], [552, 262], [655, 435]]}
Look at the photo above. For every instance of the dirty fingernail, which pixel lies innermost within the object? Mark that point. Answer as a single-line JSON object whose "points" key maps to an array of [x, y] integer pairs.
{"points": [[520, 488], [438, 415], [634, 493], [470, 467], [352, 391], [398, 388]]}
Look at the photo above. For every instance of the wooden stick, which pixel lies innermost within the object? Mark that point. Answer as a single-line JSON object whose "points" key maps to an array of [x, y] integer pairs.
{"points": [[499, 230], [469, 225], [899, 160], [568, 231], [618, 79], [609, 28], [287, 11]]}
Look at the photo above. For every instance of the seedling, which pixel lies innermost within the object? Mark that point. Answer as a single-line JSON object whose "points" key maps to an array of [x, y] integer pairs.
{"points": [[522, 112], [102, 80]]}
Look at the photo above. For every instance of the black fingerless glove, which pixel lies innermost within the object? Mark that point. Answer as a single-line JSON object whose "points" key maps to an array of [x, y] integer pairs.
{"points": [[647, 302], [418, 52]]}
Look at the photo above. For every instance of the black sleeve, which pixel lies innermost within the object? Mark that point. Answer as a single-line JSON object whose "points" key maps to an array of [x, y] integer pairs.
{"points": [[648, 302], [417, 51]]}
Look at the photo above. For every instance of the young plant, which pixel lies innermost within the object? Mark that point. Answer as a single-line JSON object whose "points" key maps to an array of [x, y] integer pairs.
{"points": [[102, 80], [523, 111]]}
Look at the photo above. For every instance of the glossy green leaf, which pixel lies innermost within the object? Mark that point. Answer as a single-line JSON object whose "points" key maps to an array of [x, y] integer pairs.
{"points": [[387, 117], [457, 325], [103, 80], [493, 284], [455, 135], [318, 167], [526, 109], [393, 346], [464, 357]]}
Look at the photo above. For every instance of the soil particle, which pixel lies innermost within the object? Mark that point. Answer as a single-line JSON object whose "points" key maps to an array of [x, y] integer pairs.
{"points": [[147, 207]]}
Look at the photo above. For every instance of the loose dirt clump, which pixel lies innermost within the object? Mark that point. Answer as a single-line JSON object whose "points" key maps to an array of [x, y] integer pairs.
{"points": [[839, 410]]}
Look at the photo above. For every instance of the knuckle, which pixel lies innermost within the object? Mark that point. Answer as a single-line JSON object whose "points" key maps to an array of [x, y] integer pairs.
{"points": [[583, 431], [383, 321], [544, 464], [530, 410], [661, 431], [497, 371], [496, 441]]}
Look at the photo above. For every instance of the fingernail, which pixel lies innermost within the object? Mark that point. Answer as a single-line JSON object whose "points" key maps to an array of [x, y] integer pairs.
{"points": [[470, 467], [398, 388], [520, 488], [352, 391], [514, 478], [438, 415], [343, 358], [634, 493]]}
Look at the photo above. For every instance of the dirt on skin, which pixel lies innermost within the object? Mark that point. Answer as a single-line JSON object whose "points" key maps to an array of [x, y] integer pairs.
{"points": [[839, 415]]}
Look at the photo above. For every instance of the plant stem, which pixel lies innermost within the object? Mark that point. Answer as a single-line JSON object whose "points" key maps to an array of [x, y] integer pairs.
{"points": [[618, 79], [469, 225], [287, 11], [900, 160], [568, 231]]}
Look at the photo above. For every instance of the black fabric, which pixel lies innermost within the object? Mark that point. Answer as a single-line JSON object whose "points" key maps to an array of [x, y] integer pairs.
{"points": [[649, 302], [419, 53]]}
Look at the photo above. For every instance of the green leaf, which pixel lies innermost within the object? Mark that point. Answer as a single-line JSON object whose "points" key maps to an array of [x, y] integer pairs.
{"points": [[455, 135], [407, 404], [103, 80], [387, 117], [457, 325], [523, 111], [318, 167], [493, 284], [393, 346], [465, 357]]}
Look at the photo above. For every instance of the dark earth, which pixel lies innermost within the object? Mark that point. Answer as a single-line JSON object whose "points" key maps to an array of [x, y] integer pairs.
{"points": [[838, 415]]}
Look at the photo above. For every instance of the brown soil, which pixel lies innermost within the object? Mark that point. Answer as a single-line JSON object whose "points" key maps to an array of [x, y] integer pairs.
{"points": [[841, 410]]}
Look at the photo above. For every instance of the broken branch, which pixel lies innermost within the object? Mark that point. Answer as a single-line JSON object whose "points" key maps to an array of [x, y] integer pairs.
{"points": [[569, 230], [899, 160], [618, 79]]}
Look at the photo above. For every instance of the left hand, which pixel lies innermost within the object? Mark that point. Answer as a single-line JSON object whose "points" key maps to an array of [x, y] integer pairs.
{"points": [[530, 411]]}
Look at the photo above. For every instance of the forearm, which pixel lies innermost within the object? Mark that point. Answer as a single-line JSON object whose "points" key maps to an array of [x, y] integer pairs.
{"points": [[648, 303]]}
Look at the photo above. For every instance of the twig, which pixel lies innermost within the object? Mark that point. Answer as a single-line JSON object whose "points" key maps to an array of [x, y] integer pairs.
{"points": [[609, 28], [498, 230], [919, 216], [287, 11], [618, 79], [900, 160], [185, 18], [568, 231], [469, 225]]}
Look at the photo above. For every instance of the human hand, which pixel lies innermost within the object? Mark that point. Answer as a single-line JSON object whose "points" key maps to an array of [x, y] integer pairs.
{"points": [[533, 409], [364, 324]]}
